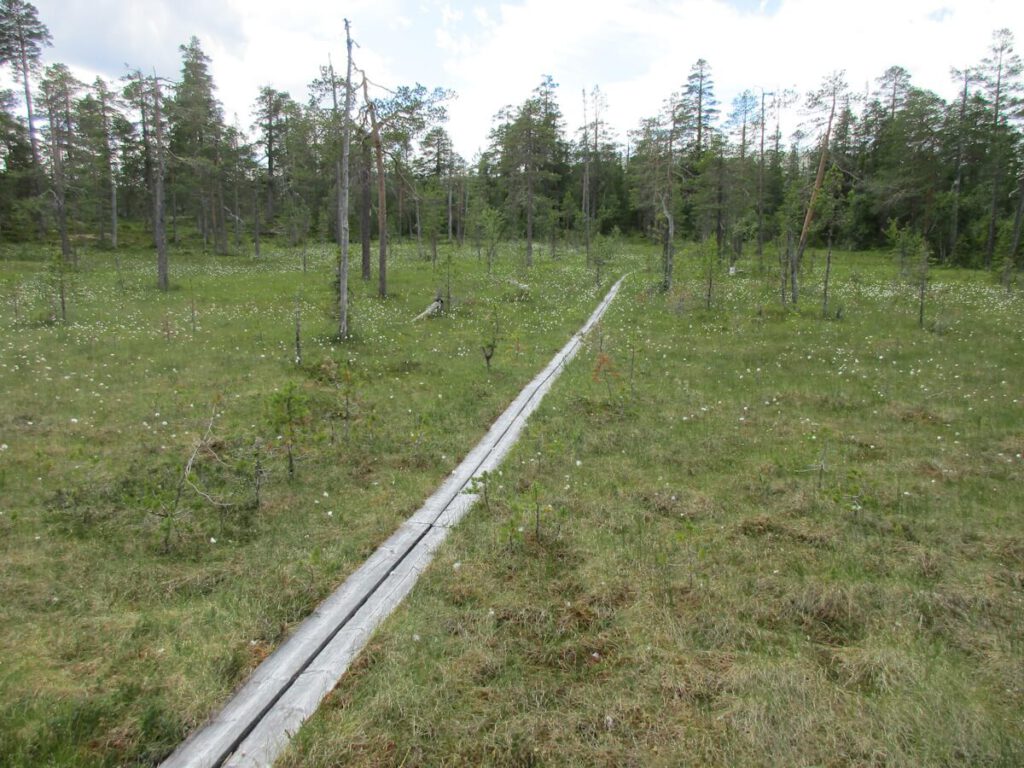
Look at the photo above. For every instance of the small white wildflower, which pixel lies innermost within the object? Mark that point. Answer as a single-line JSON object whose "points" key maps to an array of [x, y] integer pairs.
{"points": [[330, 513], [3, 446], [74, 420], [213, 540], [456, 566], [579, 463]]}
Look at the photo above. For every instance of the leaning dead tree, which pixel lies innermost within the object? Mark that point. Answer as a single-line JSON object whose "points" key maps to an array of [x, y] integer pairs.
{"points": [[829, 94]]}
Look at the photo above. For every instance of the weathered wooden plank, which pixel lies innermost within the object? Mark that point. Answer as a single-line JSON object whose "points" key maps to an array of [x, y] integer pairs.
{"points": [[269, 738], [257, 723]]}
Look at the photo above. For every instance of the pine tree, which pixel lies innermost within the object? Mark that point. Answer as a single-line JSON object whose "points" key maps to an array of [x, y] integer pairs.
{"points": [[22, 39], [197, 148]]}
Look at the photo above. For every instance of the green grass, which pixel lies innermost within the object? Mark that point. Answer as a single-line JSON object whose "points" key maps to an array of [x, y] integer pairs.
{"points": [[736, 536], [128, 613]]}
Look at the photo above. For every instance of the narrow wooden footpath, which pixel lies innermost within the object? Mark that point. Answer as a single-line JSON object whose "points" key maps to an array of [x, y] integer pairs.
{"points": [[255, 726]]}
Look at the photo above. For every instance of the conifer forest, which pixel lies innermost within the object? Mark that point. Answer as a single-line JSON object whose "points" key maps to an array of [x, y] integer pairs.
{"points": [[697, 440]]}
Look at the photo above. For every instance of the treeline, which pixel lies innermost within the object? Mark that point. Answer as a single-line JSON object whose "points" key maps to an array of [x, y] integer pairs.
{"points": [[78, 160]]}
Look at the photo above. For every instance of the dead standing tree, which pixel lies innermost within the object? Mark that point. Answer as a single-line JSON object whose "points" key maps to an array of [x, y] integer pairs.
{"points": [[827, 96], [394, 121], [159, 164], [341, 173]]}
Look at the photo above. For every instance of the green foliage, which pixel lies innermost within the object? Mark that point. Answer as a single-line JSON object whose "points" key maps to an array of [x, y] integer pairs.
{"points": [[287, 413]]}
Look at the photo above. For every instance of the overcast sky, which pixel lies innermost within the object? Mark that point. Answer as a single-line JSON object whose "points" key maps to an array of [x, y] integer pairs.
{"points": [[494, 53]]}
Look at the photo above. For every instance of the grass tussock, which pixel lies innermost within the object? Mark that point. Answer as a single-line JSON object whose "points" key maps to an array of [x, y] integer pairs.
{"points": [[764, 539], [178, 489]]}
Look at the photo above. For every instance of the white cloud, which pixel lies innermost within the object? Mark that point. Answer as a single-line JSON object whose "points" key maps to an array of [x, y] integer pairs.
{"points": [[493, 53], [581, 44]]}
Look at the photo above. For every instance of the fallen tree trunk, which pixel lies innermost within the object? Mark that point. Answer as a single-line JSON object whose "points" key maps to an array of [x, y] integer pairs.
{"points": [[435, 308]]}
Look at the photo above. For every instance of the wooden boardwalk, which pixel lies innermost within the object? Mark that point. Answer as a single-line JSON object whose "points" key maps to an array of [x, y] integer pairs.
{"points": [[255, 726]]}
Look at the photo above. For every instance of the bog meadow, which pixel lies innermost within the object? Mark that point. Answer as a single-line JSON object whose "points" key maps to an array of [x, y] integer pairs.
{"points": [[769, 515]]}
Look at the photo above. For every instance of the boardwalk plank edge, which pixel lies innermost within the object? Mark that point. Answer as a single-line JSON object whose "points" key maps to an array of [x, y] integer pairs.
{"points": [[258, 721]]}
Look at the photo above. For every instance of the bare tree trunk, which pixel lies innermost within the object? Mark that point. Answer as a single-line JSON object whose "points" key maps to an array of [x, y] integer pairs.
{"points": [[256, 220], [990, 243], [342, 175], [923, 286], [174, 212], [463, 211], [669, 246], [419, 229], [159, 228], [954, 234], [57, 139], [220, 226], [529, 220], [449, 210], [237, 219], [818, 180], [784, 259], [147, 148], [828, 271], [760, 193], [382, 202], [203, 220], [997, 170], [111, 179], [794, 276], [113, 210], [720, 207], [298, 329], [585, 203], [1018, 222], [364, 209], [63, 296], [709, 290], [400, 200], [37, 164]]}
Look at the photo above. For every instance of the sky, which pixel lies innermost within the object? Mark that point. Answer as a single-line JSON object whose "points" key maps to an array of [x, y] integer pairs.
{"points": [[493, 53]]}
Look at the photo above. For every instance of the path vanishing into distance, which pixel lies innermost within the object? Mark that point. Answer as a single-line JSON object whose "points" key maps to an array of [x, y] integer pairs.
{"points": [[255, 726]]}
